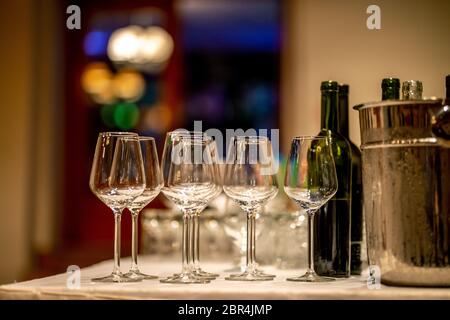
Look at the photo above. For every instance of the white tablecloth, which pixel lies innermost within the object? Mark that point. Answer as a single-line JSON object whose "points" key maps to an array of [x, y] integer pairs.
{"points": [[54, 287]]}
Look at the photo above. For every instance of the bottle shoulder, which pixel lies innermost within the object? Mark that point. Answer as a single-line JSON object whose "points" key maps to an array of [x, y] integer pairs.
{"points": [[336, 138], [356, 151]]}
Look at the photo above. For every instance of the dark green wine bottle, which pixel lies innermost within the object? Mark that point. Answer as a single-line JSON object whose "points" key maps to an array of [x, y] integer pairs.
{"points": [[390, 89], [356, 212], [332, 222]]}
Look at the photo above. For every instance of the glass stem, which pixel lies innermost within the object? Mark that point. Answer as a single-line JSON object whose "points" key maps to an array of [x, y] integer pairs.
{"points": [[191, 241], [250, 240], [254, 239], [185, 247], [310, 241], [117, 224], [134, 240], [196, 240]]}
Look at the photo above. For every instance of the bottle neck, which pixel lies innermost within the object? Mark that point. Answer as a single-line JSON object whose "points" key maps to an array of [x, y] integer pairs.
{"points": [[329, 111], [343, 115], [390, 93], [448, 93]]}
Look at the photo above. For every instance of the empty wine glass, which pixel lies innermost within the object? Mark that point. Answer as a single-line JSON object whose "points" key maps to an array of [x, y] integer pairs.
{"points": [[190, 182], [195, 235], [117, 178], [310, 181], [153, 185], [250, 180]]}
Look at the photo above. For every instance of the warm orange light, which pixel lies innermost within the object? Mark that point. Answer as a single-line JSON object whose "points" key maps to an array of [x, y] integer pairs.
{"points": [[128, 85], [106, 96], [96, 78]]}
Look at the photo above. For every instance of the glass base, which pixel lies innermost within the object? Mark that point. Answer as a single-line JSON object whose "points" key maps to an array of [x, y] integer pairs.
{"points": [[201, 273], [242, 269], [310, 276], [185, 278], [197, 275], [263, 274], [250, 276], [203, 276], [139, 275], [115, 277]]}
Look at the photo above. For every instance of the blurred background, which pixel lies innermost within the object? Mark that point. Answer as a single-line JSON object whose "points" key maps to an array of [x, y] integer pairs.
{"points": [[151, 66]]}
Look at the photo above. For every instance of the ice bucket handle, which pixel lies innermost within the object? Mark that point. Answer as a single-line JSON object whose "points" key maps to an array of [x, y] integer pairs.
{"points": [[441, 125]]}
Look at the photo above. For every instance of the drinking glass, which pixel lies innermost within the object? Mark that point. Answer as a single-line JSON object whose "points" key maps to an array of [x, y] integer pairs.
{"points": [[310, 181], [195, 238], [117, 178], [190, 181], [250, 180], [153, 185]]}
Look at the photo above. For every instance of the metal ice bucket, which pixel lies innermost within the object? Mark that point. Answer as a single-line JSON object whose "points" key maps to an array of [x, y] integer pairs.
{"points": [[406, 185]]}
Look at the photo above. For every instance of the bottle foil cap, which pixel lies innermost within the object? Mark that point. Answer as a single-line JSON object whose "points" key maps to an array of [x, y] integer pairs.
{"points": [[343, 88], [412, 89], [390, 82], [329, 85]]}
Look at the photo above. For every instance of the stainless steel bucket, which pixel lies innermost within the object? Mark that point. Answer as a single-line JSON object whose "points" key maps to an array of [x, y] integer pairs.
{"points": [[406, 186]]}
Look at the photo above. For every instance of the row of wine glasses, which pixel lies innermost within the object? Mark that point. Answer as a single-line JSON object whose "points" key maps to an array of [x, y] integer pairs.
{"points": [[126, 174], [250, 180], [191, 177]]}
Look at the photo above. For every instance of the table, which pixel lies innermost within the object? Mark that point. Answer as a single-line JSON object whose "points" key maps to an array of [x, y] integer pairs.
{"points": [[54, 287]]}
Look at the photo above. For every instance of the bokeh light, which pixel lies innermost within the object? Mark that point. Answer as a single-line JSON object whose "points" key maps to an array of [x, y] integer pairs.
{"points": [[124, 44], [128, 85], [147, 49], [96, 78], [107, 96], [126, 115], [156, 46], [95, 43]]}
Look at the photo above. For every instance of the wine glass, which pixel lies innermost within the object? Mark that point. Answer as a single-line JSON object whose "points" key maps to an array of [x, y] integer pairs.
{"points": [[190, 181], [250, 180], [310, 181], [153, 185], [195, 240], [117, 178]]}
